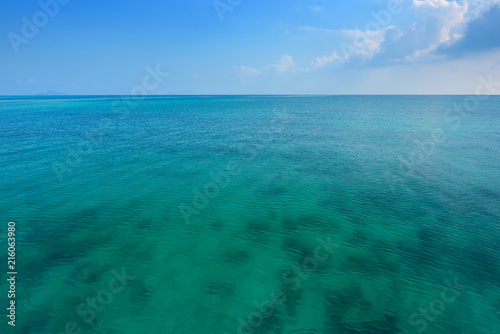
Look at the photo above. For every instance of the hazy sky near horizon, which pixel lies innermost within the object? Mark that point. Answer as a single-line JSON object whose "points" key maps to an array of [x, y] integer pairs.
{"points": [[248, 47]]}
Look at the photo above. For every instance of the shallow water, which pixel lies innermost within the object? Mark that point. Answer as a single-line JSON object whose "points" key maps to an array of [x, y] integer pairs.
{"points": [[337, 214]]}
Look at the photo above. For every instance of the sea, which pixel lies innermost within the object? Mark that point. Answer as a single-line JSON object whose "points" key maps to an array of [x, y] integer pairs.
{"points": [[251, 214]]}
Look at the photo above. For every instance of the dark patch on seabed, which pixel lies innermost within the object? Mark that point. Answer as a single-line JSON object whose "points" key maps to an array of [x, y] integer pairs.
{"points": [[490, 193], [431, 237], [292, 293], [273, 324], [289, 225], [220, 288], [217, 225], [340, 303], [144, 224], [296, 246], [236, 256], [258, 231], [482, 259], [87, 272], [140, 291]]}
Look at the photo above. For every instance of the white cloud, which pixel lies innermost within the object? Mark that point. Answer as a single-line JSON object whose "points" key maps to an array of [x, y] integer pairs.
{"points": [[477, 7], [285, 64], [317, 9], [324, 30], [246, 70], [327, 59], [445, 22], [356, 43], [365, 43], [439, 23], [448, 18]]}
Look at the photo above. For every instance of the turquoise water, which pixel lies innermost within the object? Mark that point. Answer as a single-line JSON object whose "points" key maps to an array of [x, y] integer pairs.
{"points": [[272, 214]]}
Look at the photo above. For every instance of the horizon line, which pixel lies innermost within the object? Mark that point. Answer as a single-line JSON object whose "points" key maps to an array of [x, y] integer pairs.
{"points": [[175, 95]]}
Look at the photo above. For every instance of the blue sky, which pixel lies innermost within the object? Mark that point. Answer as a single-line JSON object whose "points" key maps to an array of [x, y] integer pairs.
{"points": [[249, 47]]}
